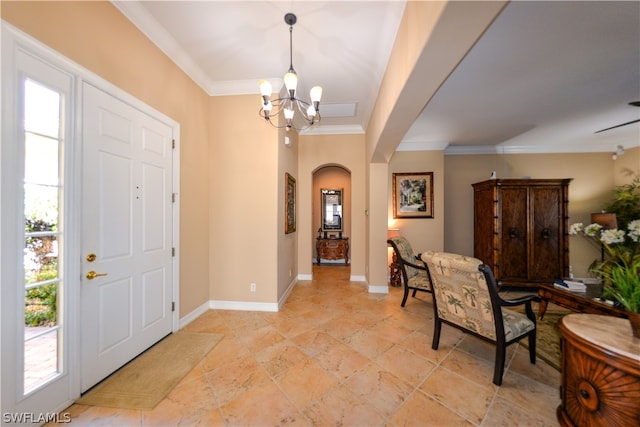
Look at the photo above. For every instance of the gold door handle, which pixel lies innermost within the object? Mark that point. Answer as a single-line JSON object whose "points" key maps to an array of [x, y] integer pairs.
{"points": [[92, 275]]}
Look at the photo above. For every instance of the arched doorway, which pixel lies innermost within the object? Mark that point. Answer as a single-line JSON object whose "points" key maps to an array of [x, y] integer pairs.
{"points": [[331, 177]]}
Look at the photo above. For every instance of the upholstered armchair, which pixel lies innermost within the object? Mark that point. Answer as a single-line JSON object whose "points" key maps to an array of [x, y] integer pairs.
{"points": [[414, 272], [465, 296]]}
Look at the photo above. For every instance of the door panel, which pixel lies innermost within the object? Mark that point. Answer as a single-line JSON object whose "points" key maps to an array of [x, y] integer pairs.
{"points": [[514, 233], [546, 237], [126, 223]]}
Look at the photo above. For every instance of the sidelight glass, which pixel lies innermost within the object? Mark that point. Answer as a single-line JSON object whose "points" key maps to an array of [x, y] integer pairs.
{"points": [[43, 284]]}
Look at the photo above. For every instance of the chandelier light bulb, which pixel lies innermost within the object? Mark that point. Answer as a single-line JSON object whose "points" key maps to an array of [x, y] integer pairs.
{"points": [[288, 113], [291, 82], [311, 111], [265, 88], [315, 93]]}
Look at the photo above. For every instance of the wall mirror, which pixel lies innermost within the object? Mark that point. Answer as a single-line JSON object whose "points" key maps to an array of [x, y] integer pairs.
{"points": [[331, 206]]}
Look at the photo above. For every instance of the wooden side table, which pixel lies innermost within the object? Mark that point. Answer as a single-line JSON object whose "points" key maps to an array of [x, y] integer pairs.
{"points": [[600, 372], [395, 276], [332, 248]]}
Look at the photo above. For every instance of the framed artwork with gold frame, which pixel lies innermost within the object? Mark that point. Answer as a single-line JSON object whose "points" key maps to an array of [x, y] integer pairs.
{"points": [[413, 195], [290, 204]]}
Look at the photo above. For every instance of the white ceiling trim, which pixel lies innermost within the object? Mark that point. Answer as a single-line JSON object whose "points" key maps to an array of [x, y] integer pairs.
{"points": [[422, 146], [531, 149], [333, 130]]}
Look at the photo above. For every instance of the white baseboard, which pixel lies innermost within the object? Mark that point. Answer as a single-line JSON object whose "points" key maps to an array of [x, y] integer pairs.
{"points": [[184, 321], [378, 289]]}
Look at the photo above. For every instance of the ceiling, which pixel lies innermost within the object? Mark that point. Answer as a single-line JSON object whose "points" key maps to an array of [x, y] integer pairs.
{"points": [[544, 77]]}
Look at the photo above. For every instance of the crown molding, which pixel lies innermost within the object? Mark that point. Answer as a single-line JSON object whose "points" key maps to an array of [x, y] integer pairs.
{"points": [[147, 24], [333, 130], [422, 146]]}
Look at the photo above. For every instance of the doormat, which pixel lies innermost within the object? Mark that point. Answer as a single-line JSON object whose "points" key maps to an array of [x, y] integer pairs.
{"points": [[146, 380]]}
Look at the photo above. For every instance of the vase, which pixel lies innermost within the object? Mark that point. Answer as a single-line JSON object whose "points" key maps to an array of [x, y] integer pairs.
{"points": [[634, 319]]}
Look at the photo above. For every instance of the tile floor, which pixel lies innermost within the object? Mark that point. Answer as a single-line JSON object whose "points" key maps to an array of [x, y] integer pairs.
{"points": [[336, 355]]}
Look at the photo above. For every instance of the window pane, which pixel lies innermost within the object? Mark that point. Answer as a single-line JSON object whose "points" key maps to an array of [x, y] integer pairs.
{"points": [[41, 160], [40, 355], [43, 320], [40, 208], [42, 109], [40, 259]]}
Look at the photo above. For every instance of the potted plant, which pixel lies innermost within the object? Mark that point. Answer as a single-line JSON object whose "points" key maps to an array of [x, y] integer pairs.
{"points": [[625, 203], [622, 284], [620, 269]]}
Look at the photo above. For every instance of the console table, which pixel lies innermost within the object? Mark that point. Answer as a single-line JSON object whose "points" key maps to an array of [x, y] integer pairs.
{"points": [[332, 248], [600, 372], [581, 302]]}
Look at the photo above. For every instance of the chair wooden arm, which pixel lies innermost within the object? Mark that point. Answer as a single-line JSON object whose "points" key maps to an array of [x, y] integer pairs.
{"points": [[419, 267], [518, 301]]}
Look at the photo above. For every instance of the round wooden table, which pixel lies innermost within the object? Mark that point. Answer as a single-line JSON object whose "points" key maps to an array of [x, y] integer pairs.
{"points": [[600, 372]]}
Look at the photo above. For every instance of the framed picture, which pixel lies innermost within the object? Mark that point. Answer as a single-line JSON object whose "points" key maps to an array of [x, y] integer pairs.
{"points": [[290, 204], [413, 195]]}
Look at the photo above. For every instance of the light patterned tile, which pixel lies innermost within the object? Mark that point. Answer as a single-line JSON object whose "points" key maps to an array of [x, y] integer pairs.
{"points": [[341, 360], [541, 371], [191, 399], [528, 393], [314, 342], [257, 339], [476, 369], [226, 351], [381, 388], [233, 379], [504, 414], [454, 391], [337, 355], [261, 406], [421, 410], [368, 343], [279, 357], [305, 383], [340, 407], [406, 365]]}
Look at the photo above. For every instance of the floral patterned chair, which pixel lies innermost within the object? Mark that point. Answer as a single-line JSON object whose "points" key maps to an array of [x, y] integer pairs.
{"points": [[465, 296], [414, 272]]}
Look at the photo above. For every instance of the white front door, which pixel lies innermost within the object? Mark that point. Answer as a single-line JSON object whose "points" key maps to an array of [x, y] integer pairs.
{"points": [[126, 233]]}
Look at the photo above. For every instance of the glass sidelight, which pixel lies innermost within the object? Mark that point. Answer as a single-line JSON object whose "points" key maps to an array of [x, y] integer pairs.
{"points": [[43, 234]]}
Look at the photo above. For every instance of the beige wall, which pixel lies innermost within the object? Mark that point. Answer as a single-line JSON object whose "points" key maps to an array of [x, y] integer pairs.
{"points": [[593, 180], [98, 37], [315, 152], [244, 202], [287, 253], [423, 233]]}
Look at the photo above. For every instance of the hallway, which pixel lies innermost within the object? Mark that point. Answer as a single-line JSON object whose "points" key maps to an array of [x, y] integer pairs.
{"points": [[337, 355]]}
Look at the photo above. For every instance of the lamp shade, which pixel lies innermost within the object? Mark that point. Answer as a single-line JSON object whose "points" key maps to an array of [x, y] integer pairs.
{"points": [[608, 221], [393, 232]]}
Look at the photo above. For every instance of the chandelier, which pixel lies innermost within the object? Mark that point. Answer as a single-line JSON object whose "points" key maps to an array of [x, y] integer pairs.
{"points": [[309, 112]]}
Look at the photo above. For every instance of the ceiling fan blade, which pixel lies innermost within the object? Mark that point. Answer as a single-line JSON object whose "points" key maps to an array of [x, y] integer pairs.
{"points": [[617, 126]]}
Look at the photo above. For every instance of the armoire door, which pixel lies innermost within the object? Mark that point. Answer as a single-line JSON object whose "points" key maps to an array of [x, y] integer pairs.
{"points": [[514, 236], [546, 217]]}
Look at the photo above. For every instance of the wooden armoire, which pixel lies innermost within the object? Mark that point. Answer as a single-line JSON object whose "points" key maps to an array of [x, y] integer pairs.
{"points": [[521, 229]]}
